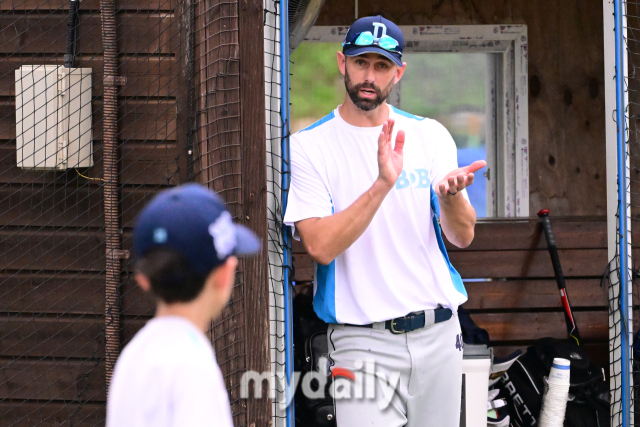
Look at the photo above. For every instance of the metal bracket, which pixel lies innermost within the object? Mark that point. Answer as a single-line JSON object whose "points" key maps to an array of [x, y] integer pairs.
{"points": [[115, 80], [118, 254]]}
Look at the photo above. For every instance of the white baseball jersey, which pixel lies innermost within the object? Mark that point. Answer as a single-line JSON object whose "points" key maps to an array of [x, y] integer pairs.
{"points": [[399, 264], [167, 376]]}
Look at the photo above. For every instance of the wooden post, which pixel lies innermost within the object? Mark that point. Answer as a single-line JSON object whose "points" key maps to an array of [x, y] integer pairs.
{"points": [[231, 150], [219, 166], [185, 95], [254, 188]]}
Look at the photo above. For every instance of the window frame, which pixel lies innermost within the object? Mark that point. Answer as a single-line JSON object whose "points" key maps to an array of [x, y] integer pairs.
{"points": [[507, 99]]}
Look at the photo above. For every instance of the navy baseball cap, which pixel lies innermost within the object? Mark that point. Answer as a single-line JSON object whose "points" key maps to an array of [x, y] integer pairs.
{"points": [[379, 29], [193, 221]]}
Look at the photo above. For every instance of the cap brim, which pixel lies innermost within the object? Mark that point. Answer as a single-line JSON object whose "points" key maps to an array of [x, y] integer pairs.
{"points": [[356, 51], [246, 242]]}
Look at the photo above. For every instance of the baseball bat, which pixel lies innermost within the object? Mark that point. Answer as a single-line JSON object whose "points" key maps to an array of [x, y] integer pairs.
{"points": [[572, 328]]}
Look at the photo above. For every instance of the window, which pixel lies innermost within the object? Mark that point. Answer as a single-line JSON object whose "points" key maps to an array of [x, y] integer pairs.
{"points": [[473, 79], [452, 88]]}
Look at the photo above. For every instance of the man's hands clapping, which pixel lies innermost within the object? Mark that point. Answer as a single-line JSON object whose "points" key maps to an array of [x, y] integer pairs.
{"points": [[390, 161]]}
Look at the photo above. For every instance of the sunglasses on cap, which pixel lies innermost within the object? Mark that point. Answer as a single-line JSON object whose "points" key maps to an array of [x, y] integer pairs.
{"points": [[366, 39]]}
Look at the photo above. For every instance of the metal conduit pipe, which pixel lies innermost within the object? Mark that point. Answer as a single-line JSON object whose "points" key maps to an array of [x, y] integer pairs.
{"points": [[72, 24], [110, 175]]}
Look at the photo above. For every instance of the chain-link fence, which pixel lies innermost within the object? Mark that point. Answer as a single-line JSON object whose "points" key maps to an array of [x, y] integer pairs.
{"points": [[151, 100]]}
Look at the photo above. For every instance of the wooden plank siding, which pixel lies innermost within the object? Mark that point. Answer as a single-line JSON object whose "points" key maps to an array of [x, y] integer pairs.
{"points": [[510, 281], [52, 244], [58, 205], [146, 76], [26, 413], [42, 335], [54, 380], [92, 5], [150, 32], [68, 293]]}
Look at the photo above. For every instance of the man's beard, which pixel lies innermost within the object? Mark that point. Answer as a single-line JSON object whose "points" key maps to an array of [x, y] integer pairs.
{"points": [[364, 103]]}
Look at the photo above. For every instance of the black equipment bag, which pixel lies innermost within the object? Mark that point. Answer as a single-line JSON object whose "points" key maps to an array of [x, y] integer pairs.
{"points": [[523, 385], [310, 349], [471, 333]]}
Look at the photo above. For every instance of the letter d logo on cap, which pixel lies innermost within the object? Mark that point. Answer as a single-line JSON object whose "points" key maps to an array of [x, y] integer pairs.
{"points": [[377, 26]]}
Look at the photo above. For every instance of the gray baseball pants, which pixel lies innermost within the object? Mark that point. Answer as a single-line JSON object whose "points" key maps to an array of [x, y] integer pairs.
{"points": [[412, 379]]}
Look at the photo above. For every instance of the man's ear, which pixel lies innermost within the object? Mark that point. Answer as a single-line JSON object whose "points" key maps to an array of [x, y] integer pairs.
{"points": [[143, 281], [342, 61], [399, 73]]}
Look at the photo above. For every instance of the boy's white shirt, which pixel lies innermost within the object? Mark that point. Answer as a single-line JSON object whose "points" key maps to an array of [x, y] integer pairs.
{"points": [[167, 376]]}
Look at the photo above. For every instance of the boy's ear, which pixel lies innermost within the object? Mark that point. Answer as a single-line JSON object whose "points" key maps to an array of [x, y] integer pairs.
{"points": [[227, 272], [143, 281]]}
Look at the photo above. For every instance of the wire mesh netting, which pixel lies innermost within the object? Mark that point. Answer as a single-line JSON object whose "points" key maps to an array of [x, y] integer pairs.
{"points": [[622, 321], [276, 241], [218, 130], [151, 100], [616, 329]]}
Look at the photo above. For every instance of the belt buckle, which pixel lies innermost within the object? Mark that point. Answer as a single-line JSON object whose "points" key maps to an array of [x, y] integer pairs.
{"points": [[393, 329]]}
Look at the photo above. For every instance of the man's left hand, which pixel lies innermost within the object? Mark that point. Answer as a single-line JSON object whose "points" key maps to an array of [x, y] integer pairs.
{"points": [[458, 179]]}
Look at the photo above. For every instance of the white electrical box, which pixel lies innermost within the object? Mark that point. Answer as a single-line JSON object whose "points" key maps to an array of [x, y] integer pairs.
{"points": [[53, 117]]}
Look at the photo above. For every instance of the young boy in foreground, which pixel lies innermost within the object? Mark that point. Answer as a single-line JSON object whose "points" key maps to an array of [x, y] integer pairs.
{"points": [[186, 245]]}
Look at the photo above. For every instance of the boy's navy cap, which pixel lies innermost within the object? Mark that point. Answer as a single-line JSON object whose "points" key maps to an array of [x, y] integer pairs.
{"points": [[366, 24], [194, 222]]}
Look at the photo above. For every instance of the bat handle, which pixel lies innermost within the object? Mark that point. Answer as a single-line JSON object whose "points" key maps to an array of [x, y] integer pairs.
{"points": [[546, 225]]}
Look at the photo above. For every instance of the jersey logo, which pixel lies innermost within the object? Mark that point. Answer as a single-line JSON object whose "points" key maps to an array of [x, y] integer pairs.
{"points": [[418, 178]]}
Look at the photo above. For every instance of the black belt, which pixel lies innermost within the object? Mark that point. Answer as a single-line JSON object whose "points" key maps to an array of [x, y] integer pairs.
{"points": [[412, 321]]}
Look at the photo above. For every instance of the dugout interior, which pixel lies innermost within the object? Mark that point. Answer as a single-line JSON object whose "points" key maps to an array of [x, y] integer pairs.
{"points": [[191, 107], [507, 270]]}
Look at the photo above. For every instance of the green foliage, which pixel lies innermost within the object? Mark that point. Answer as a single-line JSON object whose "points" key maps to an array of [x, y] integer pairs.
{"points": [[435, 85], [317, 87], [444, 83]]}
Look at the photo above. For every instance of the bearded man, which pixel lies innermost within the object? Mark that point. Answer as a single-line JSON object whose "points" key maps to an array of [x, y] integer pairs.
{"points": [[372, 188]]}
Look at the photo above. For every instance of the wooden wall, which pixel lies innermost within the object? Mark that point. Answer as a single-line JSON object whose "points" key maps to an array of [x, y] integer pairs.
{"points": [[52, 244], [52, 241], [566, 81]]}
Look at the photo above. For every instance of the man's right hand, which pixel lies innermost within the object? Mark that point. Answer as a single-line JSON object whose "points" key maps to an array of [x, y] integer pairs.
{"points": [[327, 237], [390, 157]]}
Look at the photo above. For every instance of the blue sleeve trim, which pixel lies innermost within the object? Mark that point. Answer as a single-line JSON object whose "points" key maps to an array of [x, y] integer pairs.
{"points": [[323, 120], [324, 300], [455, 276], [405, 114], [435, 206]]}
